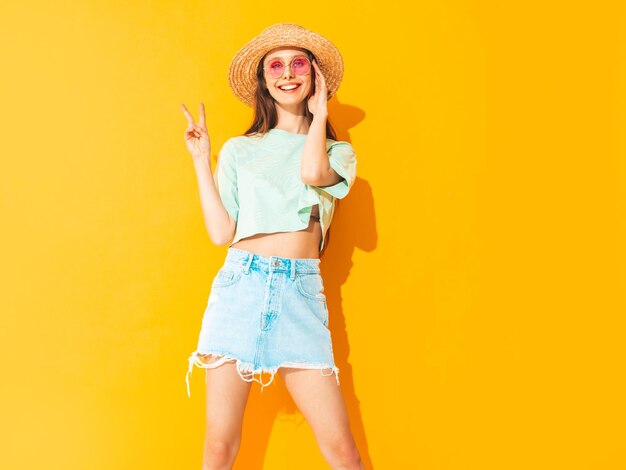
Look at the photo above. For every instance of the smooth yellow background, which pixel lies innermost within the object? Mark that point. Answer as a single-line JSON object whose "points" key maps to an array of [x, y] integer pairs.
{"points": [[475, 275]]}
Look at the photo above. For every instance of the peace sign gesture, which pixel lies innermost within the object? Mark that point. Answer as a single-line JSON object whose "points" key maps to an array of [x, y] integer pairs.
{"points": [[196, 136], [317, 102]]}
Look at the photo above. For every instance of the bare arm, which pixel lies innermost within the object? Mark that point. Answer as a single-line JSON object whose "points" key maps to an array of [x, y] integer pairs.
{"points": [[218, 222], [315, 168]]}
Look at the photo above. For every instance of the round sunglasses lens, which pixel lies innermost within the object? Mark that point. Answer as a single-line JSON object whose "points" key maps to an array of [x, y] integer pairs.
{"points": [[300, 66], [275, 68]]}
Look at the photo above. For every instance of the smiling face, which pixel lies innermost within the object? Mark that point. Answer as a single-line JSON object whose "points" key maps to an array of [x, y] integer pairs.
{"points": [[288, 77]]}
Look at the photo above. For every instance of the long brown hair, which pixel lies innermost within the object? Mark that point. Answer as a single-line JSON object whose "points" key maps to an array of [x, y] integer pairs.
{"points": [[266, 117]]}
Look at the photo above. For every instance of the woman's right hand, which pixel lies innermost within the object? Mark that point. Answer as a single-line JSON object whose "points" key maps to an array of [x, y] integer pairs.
{"points": [[197, 137]]}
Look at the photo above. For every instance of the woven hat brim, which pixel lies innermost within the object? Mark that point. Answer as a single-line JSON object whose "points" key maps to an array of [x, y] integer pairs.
{"points": [[242, 71]]}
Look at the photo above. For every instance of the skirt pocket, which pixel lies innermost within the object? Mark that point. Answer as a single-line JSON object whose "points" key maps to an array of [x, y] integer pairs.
{"points": [[311, 285], [227, 276]]}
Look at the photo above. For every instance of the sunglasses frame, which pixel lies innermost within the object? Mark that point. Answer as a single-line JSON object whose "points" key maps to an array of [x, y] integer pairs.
{"points": [[266, 68]]}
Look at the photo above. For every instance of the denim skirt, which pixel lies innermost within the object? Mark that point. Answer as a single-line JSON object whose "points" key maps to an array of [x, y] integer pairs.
{"points": [[265, 313]]}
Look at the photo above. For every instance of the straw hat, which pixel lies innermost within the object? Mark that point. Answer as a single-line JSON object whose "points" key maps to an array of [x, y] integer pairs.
{"points": [[242, 71]]}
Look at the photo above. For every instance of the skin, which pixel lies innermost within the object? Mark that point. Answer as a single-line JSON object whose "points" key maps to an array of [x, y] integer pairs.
{"points": [[318, 397]]}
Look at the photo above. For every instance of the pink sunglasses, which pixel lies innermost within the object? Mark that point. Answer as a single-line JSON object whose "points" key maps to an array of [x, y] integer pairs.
{"points": [[300, 65]]}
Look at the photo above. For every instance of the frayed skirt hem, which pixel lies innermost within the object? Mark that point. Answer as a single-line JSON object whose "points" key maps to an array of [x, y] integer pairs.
{"points": [[247, 368]]}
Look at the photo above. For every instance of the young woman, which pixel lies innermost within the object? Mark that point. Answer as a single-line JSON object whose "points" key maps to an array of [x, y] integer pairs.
{"points": [[272, 199]]}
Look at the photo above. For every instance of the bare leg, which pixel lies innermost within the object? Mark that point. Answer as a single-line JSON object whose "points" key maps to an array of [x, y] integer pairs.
{"points": [[226, 399], [320, 401]]}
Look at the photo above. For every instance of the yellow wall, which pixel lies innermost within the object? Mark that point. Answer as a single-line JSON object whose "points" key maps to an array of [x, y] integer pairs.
{"points": [[476, 273]]}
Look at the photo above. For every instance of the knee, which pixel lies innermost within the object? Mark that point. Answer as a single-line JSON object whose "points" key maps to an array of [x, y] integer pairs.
{"points": [[343, 453], [219, 454]]}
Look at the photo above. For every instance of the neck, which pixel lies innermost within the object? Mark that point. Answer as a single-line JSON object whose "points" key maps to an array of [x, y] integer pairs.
{"points": [[292, 118]]}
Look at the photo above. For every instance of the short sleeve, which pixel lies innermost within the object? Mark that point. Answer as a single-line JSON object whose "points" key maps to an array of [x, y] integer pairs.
{"points": [[342, 159], [226, 174]]}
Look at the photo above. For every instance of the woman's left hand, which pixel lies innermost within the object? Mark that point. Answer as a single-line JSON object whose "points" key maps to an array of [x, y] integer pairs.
{"points": [[318, 102]]}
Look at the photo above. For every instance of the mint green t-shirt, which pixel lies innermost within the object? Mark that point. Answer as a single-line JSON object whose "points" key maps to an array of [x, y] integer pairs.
{"points": [[258, 179]]}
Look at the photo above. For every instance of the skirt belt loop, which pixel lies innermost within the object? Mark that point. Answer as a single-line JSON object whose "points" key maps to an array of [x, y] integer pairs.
{"points": [[293, 269], [246, 268]]}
